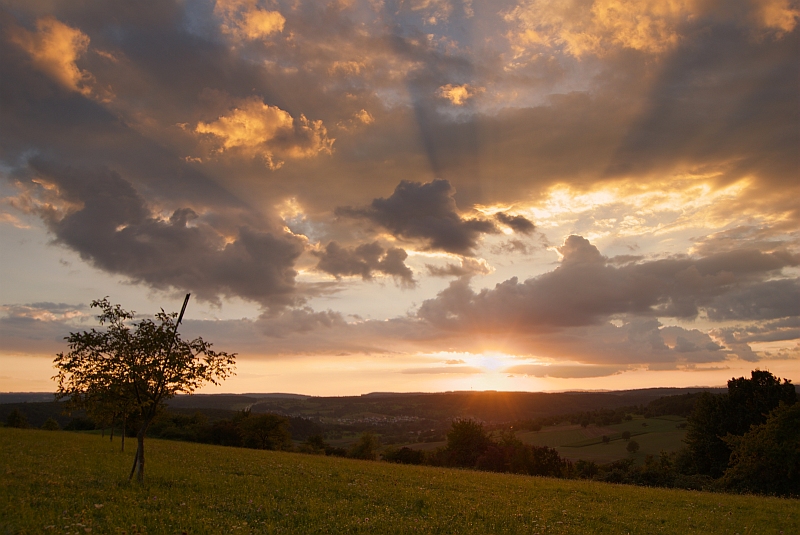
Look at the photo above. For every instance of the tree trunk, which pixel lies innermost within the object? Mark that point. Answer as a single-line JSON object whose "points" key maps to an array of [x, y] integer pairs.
{"points": [[111, 434], [140, 454], [138, 461], [123, 433]]}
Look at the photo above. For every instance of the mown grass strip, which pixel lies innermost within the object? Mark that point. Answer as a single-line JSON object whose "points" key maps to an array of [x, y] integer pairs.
{"points": [[59, 482]]}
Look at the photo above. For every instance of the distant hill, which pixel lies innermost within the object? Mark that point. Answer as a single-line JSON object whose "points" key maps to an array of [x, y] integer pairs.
{"points": [[26, 397], [489, 406]]}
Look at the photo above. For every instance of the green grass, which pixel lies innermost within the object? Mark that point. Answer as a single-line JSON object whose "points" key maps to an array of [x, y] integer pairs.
{"points": [[573, 442], [59, 482]]}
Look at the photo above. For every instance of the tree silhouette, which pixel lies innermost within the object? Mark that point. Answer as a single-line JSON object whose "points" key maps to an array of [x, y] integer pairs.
{"points": [[136, 367]]}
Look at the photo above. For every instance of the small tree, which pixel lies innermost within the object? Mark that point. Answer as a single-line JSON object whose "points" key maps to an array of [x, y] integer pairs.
{"points": [[366, 448], [467, 440], [137, 367], [632, 446], [16, 419], [51, 425], [265, 431], [626, 435]]}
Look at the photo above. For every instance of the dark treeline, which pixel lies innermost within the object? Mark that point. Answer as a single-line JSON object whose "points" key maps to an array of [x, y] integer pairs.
{"points": [[469, 445]]}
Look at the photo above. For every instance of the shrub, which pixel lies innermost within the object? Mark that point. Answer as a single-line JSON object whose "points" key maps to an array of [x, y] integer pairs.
{"points": [[16, 419], [403, 455], [366, 448], [50, 425]]}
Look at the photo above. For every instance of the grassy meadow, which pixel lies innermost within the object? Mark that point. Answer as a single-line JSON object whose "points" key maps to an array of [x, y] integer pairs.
{"points": [[61, 482], [574, 442]]}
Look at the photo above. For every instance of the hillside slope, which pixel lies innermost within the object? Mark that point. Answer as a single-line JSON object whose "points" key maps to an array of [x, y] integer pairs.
{"points": [[57, 482]]}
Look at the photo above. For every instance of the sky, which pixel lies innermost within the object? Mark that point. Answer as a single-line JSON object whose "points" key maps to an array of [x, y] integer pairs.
{"points": [[408, 195]]}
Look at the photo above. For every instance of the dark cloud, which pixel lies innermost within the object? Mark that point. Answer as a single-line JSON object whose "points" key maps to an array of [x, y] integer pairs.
{"points": [[363, 260], [585, 289], [517, 223], [767, 331], [110, 225], [427, 212], [299, 320], [469, 267], [767, 239], [563, 371], [762, 301], [693, 118], [513, 246]]}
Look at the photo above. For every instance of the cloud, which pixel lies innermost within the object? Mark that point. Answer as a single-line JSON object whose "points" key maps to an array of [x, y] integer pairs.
{"points": [[38, 327], [427, 212], [762, 301], [767, 239], [102, 217], [459, 94], [778, 15], [257, 129], [298, 320], [243, 19], [763, 331], [469, 268], [517, 223], [363, 260], [585, 289], [600, 27], [564, 371], [54, 49], [460, 370], [44, 311]]}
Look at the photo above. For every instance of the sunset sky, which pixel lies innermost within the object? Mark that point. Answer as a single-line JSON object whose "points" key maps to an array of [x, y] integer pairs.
{"points": [[419, 195]]}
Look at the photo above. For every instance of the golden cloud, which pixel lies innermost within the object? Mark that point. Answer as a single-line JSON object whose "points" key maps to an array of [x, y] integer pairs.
{"points": [[257, 129], [459, 94], [243, 19], [54, 49], [778, 15], [580, 27], [594, 27]]}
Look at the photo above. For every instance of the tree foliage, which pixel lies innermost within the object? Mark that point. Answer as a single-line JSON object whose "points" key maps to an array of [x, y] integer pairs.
{"points": [[134, 367], [467, 440], [16, 419], [366, 448], [265, 431], [51, 425], [747, 403], [766, 459]]}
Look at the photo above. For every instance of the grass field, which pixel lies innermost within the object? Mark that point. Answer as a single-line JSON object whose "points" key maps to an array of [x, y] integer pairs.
{"points": [[574, 442], [60, 482]]}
